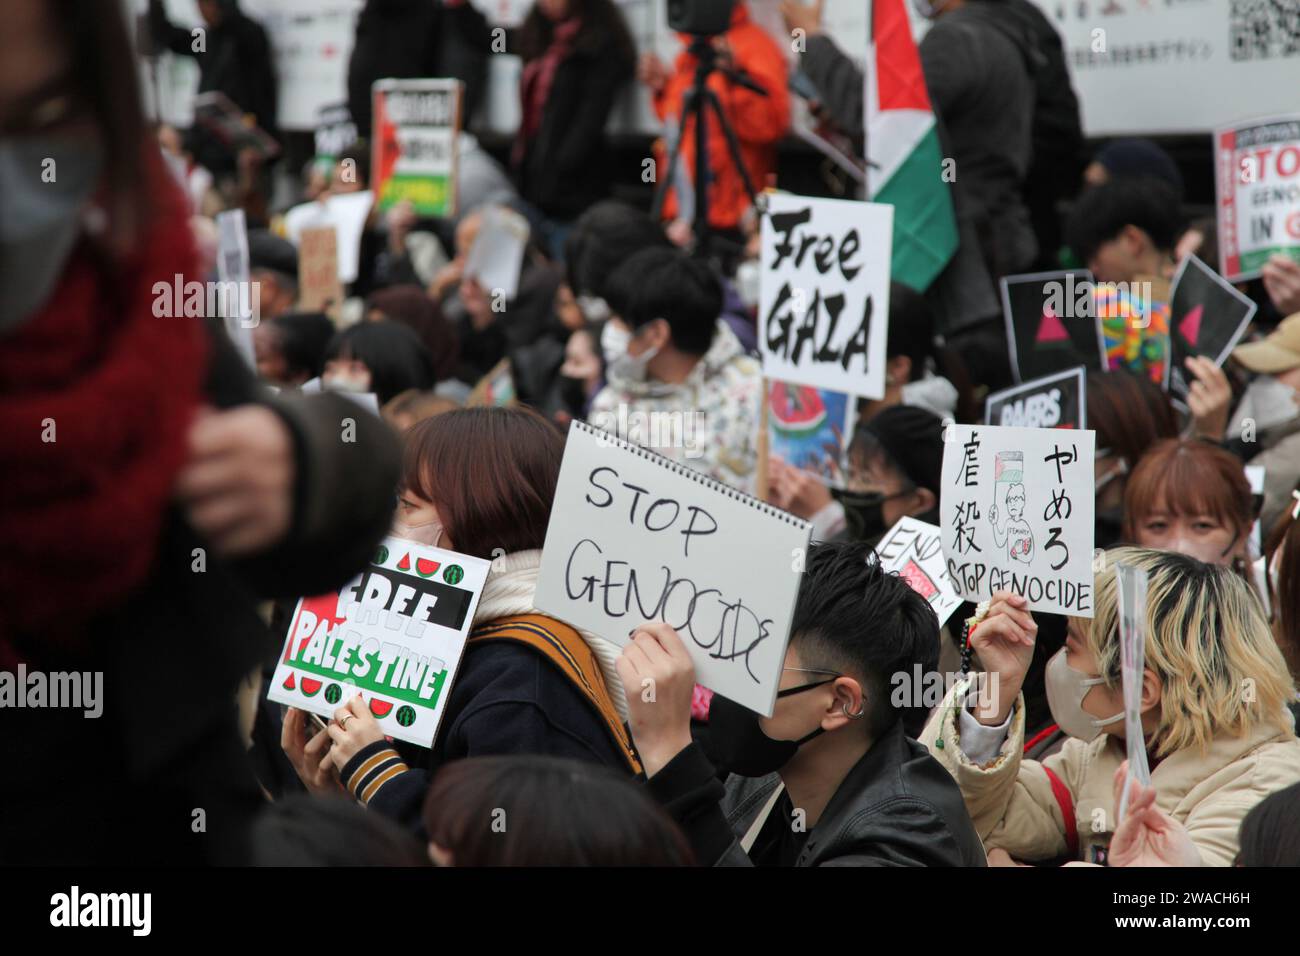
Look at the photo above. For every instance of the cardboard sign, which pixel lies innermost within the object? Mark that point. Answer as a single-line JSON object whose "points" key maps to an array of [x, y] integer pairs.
{"points": [[1053, 401], [416, 123], [238, 299], [1017, 515], [1131, 591], [497, 254], [635, 537], [347, 214], [496, 389], [824, 293], [1258, 190], [1051, 323], [914, 551], [809, 428], [1134, 321], [318, 270], [1207, 316], [394, 633]]}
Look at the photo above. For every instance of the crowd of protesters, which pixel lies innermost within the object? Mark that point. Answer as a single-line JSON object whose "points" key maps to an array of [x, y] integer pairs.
{"points": [[189, 497]]}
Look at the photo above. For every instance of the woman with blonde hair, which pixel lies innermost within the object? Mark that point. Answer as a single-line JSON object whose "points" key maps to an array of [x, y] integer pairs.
{"points": [[1219, 738]]}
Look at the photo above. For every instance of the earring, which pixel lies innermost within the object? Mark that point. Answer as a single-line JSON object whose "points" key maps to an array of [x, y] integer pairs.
{"points": [[861, 713]]}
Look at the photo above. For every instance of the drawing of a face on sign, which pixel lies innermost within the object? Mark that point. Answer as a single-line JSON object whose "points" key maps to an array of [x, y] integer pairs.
{"points": [[1010, 529]]}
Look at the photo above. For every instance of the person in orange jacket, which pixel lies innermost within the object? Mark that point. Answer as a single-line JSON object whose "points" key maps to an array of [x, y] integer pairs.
{"points": [[758, 121]]}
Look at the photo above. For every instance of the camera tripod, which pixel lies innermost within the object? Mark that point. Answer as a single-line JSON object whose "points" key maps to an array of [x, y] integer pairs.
{"points": [[697, 103]]}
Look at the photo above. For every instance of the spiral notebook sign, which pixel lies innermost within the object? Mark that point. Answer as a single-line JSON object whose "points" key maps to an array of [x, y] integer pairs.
{"points": [[635, 537]]}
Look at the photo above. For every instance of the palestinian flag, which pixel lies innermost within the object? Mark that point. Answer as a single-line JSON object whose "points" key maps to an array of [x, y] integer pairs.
{"points": [[904, 161]]}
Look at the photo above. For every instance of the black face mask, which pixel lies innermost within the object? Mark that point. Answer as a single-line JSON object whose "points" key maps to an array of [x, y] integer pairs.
{"points": [[737, 743], [863, 513]]}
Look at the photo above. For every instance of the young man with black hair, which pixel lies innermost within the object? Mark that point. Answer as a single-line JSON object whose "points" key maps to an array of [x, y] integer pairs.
{"points": [[1126, 228], [829, 779], [679, 380]]}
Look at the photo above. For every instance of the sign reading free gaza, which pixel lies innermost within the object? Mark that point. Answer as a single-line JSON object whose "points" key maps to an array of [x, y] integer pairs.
{"points": [[395, 633]]}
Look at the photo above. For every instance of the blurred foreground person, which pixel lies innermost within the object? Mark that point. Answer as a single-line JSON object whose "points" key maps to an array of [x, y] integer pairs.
{"points": [[152, 492]]}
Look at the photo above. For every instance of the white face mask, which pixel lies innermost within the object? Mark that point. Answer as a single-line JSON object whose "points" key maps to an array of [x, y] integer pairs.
{"points": [[1066, 688], [621, 365], [429, 533], [346, 382], [613, 342], [747, 274]]}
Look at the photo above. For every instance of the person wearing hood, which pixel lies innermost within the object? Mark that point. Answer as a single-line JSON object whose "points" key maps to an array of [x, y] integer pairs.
{"points": [[481, 481], [895, 462], [1214, 752], [1272, 404], [678, 380]]}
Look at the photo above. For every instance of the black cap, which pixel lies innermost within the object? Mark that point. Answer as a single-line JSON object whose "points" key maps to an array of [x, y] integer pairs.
{"points": [[266, 250], [913, 438]]}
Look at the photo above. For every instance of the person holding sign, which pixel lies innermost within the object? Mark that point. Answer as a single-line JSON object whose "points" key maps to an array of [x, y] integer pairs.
{"points": [[481, 481], [829, 779], [1213, 710]]}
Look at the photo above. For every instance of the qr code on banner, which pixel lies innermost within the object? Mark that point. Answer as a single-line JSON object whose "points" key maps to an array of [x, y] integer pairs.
{"points": [[1264, 29]]}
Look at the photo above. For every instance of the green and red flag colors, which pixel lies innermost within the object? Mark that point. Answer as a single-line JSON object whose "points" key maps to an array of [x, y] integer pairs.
{"points": [[904, 161], [394, 634]]}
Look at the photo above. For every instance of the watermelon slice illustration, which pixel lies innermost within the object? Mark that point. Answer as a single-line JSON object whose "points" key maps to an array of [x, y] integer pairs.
{"points": [[310, 687], [405, 563], [795, 409], [425, 567], [380, 708], [289, 683]]}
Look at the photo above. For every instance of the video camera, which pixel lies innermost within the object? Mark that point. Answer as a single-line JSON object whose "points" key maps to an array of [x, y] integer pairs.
{"points": [[701, 18]]}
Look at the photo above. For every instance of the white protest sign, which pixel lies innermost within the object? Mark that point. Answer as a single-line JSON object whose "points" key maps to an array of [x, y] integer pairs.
{"points": [[347, 213], [1131, 592], [914, 551], [240, 304], [1016, 510], [824, 292], [1258, 190], [394, 633], [635, 537], [498, 252]]}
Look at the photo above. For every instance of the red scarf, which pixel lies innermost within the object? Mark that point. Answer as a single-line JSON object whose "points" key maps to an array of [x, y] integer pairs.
{"points": [[535, 86], [115, 387]]}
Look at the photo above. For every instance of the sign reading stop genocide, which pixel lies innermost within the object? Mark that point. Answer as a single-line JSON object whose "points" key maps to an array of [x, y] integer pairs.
{"points": [[1258, 185]]}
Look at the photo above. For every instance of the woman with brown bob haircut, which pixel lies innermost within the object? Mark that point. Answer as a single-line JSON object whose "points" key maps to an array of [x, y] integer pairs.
{"points": [[1190, 496], [480, 481]]}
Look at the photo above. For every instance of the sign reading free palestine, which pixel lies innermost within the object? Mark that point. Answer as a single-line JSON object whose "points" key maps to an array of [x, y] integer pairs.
{"points": [[395, 633]]}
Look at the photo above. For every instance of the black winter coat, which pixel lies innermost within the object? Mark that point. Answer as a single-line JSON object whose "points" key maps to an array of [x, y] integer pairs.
{"points": [[566, 166], [162, 776], [898, 806], [406, 39]]}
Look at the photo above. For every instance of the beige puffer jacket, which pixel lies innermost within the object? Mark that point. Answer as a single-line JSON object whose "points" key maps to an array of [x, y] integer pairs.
{"points": [[1027, 808]]}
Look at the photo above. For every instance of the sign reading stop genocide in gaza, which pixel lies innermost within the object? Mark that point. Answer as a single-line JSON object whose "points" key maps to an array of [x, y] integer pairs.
{"points": [[1258, 193]]}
